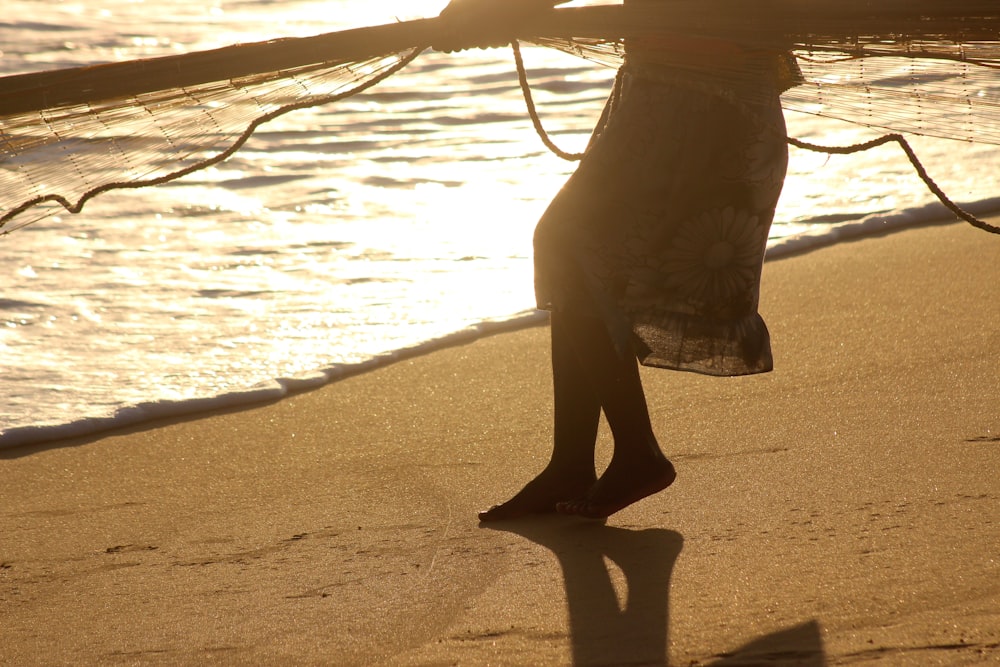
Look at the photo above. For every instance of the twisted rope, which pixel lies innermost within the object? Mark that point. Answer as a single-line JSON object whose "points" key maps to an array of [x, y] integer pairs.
{"points": [[917, 166], [522, 76], [961, 213]]}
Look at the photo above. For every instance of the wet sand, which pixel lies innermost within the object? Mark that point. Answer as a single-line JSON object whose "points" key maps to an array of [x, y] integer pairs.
{"points": [[844, 509]]}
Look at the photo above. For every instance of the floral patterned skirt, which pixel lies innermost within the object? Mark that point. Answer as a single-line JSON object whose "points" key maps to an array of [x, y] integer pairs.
{"points": [[661, 230]]}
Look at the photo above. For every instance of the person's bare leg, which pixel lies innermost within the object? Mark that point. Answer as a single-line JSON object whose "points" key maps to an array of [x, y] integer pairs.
{"points": [[638, 467], [570, 472]]}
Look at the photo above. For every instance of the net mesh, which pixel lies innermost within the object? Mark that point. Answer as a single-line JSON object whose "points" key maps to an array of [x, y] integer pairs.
{"points": [[944, 90], [946, 98], [927, 71], [62, 157]]}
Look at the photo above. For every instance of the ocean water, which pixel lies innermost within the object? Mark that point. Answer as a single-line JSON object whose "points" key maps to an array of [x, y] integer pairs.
{"points": [[337, 240]]}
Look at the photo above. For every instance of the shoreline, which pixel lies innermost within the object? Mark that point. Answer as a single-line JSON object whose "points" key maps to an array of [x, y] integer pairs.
{"points": [[276, 389], [933, 214], [843, 508]]}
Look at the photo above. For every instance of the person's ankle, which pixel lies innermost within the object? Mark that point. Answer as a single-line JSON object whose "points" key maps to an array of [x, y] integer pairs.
{"points": [[571, 469]]}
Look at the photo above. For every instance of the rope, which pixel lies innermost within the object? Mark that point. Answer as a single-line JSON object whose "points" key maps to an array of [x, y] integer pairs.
{"points": [[522, 76], [917, 166], [961, 213]]}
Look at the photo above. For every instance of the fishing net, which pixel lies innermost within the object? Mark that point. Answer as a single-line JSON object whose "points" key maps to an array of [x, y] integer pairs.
{"points": [[64, 156], [944, 90], [68, 135], [948, 90]]}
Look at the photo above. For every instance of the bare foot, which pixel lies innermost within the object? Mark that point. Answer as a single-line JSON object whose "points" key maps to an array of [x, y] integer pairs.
{"points": [[621, 485], [540, 495]]}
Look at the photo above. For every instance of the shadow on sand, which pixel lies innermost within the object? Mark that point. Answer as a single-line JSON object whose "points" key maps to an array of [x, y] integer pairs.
{"points": [[604, 631]]}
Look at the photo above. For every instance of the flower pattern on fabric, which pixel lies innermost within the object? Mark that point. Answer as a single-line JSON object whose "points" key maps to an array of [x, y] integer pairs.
{"points": [[714, 258], [766, 161], [761, 162]]}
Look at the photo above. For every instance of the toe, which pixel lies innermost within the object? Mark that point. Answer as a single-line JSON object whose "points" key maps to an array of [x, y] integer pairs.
{"points": [[572, 507], [496, 513]]}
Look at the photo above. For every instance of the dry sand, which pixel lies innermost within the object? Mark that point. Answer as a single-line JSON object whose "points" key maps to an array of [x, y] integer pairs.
{"points": [[843, 509]]}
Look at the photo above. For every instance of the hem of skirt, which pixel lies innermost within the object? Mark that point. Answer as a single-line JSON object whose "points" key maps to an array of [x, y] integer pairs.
{"points": [[690, 343], [753, 327], [652, 361]]}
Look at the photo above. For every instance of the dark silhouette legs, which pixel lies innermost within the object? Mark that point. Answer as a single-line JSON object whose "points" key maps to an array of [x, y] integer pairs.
{"points": [[570, 472], [589, 375]]}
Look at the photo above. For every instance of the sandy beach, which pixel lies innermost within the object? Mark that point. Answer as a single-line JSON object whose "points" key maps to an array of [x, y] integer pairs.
{"points": [[844, 509]]}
